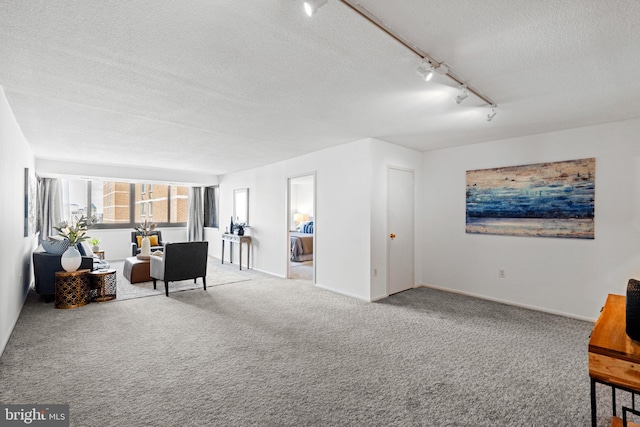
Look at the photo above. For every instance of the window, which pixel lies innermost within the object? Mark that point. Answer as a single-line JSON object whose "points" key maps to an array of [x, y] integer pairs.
{"points": [[211, 199], [123, 205]]}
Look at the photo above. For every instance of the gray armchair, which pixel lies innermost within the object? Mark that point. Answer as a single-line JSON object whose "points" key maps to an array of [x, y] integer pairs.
{"points": [[135, 248], [180, 261]]}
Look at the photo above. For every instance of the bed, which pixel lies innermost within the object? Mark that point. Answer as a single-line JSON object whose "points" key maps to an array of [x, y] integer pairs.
{"points": [[301, 246]]}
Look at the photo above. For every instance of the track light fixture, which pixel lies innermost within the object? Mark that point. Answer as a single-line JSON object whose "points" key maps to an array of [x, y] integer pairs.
{"points": [[312, 6], [427, 67], [425, 70], [491, 114], [463, 94]]}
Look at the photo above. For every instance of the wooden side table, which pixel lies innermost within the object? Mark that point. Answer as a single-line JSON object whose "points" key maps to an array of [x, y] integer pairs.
{"points": [[103, 285], [234, 238], [99, 254], [614, 358], [72, 288]]}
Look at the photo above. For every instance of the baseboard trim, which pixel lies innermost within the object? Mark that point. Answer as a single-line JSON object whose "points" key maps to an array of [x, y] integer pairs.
{"points": [[379, 297], [513, 303], [347, 294]]}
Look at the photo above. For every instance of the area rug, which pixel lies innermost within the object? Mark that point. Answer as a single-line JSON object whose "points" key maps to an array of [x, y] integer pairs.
{"points": [[216, 275]]}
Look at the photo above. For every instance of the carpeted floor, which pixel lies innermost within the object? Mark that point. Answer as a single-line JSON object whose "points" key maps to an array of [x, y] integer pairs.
{"points": [[273, 352]]}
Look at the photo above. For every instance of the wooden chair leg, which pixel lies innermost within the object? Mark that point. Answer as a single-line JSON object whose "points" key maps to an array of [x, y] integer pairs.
{"points": [[204, 282], [166, 288]]}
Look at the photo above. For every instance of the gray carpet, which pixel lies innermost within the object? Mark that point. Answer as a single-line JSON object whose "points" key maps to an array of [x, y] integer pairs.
{"points": [[217, 274], [272, 352]]}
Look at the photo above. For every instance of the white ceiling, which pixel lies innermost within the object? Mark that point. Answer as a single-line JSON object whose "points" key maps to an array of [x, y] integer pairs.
{"points": [[217, 86]]}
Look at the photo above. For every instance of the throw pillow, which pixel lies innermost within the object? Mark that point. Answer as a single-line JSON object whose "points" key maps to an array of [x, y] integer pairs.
{"points": [[153, 240], [87, 249], [55, 247]]}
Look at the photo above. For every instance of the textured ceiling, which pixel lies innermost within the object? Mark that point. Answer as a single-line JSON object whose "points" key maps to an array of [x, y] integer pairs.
{"points": [[225, 85]]}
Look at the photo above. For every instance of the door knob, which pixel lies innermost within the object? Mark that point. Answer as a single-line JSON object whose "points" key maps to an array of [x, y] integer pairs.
{"points": [[392, 235]]}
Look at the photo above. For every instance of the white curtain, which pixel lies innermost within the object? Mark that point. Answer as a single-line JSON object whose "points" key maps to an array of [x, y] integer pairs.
{"points": [[49, 206], [195, 220]]}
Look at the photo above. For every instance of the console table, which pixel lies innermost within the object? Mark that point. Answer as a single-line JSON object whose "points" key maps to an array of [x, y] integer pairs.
{"points": [[234, 238], [614, 358]]}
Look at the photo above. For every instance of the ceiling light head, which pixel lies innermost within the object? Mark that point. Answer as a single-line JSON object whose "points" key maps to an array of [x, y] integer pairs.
{"points": [[463, 94], [425, 70], [491, 114], [312, 6]]}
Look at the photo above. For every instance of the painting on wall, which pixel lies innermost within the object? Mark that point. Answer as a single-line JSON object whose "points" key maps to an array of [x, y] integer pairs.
{"points": [[541, 200], [30, 189]]}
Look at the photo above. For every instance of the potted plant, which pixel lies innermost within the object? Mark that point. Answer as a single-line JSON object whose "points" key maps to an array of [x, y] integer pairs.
{"points": [[75, 232], [94, 243]]}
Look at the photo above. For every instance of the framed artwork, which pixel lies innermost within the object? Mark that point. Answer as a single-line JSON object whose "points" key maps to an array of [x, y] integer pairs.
{"points": [[30, 195], [541, 200]]}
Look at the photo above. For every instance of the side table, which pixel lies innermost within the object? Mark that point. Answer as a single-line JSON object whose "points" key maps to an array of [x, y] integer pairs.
{"points": [[72, 288], [614, 359], [99, 254], [103, 285]]}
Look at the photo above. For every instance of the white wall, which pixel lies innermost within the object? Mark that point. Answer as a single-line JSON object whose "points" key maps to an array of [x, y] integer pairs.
{"points": [[350, 222], [342, 224], [116, 243], [15, 251], [565, 276], [301, 198]]}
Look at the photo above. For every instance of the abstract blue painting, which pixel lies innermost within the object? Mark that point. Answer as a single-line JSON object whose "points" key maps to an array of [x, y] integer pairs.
{"points": [[542, 200]]}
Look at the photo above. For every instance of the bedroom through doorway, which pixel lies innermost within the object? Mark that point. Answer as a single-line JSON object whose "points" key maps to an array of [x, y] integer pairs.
{"points": [[301, 227]]}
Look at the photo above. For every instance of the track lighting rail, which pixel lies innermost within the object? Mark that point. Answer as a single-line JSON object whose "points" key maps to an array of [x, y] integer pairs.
{"points": [[413, 48]]}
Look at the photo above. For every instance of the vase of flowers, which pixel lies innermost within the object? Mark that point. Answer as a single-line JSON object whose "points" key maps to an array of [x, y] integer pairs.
{"points": [[75, 232], [144, 229]]}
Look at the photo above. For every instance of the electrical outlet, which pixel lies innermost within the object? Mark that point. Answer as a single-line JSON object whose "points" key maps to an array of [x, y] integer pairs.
{"points": [[502, 274]]}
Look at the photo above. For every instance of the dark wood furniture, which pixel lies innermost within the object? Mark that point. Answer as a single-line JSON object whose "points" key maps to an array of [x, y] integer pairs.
{"points": [[614, 358], [72, 288], [103, 285], [233, 238]]}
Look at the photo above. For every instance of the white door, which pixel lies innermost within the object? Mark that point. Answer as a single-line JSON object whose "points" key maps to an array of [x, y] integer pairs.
{"points": [[400, 229]]}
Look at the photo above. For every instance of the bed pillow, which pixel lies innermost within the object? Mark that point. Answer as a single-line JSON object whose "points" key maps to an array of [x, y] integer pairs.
{"points": [[308, 228], [55, 247]]}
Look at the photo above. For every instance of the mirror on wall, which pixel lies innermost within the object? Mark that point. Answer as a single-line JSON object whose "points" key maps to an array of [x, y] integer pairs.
{"points": [[241, 206]]}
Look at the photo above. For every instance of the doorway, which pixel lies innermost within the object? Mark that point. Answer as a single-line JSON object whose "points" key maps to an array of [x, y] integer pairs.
{"points": [[301, 227], [400, 229]]}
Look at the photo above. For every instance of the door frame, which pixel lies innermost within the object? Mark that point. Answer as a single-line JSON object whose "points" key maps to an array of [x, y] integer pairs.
{"points": [[313, 175], [388, 240]]}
